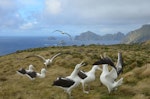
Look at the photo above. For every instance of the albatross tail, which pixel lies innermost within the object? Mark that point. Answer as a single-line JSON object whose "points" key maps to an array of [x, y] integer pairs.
{"points": [[119, 82]]}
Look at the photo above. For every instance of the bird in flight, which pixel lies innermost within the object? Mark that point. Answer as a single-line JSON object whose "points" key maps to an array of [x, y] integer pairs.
{"points": [[46, 61], [62, 32]]}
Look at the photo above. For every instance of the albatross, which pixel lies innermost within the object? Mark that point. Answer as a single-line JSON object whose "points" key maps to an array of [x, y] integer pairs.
{"points": [[23, 71], [69, 82], [88, 77], [32, 75], [46, 61], [64, 33], [108, 78]]}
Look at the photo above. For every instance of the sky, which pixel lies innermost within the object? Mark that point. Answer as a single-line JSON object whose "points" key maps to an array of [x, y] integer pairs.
{"points": [[42, 17]]}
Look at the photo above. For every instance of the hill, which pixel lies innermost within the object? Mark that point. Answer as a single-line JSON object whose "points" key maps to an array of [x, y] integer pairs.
{"points": [[117, 36], [137, 36], [93, 36], [87, 36], [136, 72]]}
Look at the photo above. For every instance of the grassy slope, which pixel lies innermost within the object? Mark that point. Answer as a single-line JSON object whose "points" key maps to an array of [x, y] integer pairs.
{"points": [[136, 73]]}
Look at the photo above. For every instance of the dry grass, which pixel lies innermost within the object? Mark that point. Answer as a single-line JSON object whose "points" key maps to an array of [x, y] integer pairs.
{"points": [[136, 73]]}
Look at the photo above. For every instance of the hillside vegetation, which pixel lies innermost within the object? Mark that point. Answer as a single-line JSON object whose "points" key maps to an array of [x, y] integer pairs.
{"points": [[136, 72]]}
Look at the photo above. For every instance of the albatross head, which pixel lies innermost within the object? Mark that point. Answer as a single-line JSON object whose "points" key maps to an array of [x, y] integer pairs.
{"points": [[79, 65], [43, 71], [31, 67]]}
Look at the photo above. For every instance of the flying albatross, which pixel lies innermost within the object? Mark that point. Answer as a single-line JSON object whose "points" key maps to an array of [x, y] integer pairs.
{"points": [[23, 71], [46, 61], [88, 77], [69, 82], [64, 33]]}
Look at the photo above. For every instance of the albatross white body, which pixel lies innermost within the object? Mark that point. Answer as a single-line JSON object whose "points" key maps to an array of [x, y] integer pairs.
{"points": [[23, 71], [108, 78], [90, 77], [32, 75], [73, 80]]}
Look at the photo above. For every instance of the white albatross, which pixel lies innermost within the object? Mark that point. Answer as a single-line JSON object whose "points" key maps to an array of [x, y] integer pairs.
{"points": [[23, 71], [88, 77], [32, 75], [108, 78], [69, 82], [64, 33], [46, 61]]}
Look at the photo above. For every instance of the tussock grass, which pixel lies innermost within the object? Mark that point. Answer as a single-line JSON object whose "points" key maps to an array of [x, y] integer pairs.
{"points": [[136, 72], [146, 71], [140, 96]]}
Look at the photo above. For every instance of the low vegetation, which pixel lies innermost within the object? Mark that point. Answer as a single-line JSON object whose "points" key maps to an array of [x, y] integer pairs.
{"points": [[136, 72]]}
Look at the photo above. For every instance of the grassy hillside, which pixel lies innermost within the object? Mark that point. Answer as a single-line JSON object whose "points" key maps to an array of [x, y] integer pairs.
{"points": [[136, 72]]}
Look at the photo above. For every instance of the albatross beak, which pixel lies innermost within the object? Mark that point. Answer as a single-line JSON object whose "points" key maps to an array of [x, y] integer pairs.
{"points": [[84, 64], [99, 68], [81, 63]]}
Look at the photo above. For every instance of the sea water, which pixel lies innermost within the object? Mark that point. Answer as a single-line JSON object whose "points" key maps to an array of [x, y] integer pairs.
{"points": [[12, 44]]}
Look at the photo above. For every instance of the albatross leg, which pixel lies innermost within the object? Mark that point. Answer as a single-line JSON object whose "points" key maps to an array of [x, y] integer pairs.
{"points": [[70, 96], [89, 88], [83, 86]]}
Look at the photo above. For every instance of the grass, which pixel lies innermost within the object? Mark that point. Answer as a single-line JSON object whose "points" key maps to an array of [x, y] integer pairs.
{"points": [[136, 72]]}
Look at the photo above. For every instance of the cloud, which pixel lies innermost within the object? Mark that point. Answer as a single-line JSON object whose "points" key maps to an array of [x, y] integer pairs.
{"points": [[98, 11], [28, 25], [6, 4], [53, 6], [18, 14], [106, 15], [75, 12], [7, 8], [9, 17], [29, 2]]}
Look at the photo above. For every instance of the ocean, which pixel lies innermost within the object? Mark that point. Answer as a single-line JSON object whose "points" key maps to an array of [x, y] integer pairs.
{"points": [[12, 44]]}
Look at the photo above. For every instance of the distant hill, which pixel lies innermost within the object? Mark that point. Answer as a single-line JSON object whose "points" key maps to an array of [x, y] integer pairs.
{"points": [[87, 36], [117, 36], [137, 36], [93, 36]]}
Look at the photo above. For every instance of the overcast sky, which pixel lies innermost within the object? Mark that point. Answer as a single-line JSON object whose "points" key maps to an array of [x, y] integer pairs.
{"points": [[42, 17]]}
